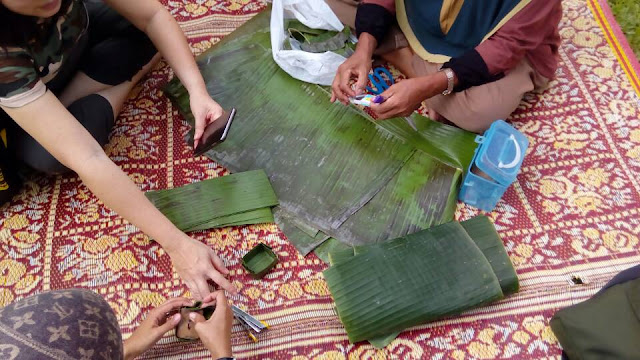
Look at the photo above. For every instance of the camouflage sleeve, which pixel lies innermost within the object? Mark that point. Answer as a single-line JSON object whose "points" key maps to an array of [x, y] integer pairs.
{"points": [[19, 82]]}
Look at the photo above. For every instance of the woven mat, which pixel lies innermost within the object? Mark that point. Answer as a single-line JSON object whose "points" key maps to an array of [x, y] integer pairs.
{"points": [[574, 211]]}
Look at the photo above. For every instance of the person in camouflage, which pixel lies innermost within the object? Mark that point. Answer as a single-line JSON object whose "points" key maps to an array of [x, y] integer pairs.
{"points": [[66, 67]]}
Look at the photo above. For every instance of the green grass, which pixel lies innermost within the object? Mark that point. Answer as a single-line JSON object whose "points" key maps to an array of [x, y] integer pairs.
{"points": [[627, 13]]}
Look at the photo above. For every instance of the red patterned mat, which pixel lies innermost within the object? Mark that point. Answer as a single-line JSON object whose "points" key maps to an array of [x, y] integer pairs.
{"points": [[573, 212]]}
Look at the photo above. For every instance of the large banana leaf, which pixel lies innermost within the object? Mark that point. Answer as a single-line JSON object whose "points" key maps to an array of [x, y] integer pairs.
{"points": [[332, 167], [236, 199], [384, 288], [481, 231]]}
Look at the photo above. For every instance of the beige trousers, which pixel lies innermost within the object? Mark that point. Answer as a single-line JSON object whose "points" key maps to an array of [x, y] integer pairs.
{"points": [[473, 109]]}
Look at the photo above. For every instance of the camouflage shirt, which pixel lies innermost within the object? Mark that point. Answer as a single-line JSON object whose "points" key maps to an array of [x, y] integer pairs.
{"points": [[24, 71]]}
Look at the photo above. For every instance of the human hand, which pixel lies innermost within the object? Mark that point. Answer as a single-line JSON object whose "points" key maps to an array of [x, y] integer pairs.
{"points": [[358, 65], [205, 111], [153, 327], [196, 263], [215, 333], [404, 97]]}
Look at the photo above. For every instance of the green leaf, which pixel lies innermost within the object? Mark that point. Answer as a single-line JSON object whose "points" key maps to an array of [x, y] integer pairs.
{"points": [[330, 246], [304, 237], [232, 199], [488, 241], [408, 281], [258, 216]]}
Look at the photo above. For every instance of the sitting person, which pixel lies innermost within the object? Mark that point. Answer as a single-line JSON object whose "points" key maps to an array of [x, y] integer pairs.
{"points": [[80, 324], [66, 68], [470, 61]]}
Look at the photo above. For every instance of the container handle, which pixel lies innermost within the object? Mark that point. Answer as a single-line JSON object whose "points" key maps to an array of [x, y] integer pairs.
{"points": [[516, 159]]}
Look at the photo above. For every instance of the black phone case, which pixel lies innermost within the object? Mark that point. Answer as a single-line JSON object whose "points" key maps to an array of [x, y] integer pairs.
{"points": [[215, 134]]}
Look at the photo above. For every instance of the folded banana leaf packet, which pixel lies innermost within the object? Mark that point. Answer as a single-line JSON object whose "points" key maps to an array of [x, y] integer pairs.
{"points": [[382, 289], [236, 199]]}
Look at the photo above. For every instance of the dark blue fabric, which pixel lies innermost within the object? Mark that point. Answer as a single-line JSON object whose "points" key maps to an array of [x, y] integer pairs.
{"points": [[475, 20]]}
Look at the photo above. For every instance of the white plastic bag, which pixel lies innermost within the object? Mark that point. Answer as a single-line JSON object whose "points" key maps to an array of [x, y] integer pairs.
{"points": [[317, 68]]}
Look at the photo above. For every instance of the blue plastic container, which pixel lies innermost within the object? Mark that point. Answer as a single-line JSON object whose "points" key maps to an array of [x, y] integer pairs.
{"points": [[495, 165]]}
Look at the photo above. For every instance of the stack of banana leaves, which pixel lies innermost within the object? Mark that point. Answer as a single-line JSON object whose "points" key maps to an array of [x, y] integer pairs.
{"points": [[302, 37], [237, 199], [382, 289], [341, 178]]}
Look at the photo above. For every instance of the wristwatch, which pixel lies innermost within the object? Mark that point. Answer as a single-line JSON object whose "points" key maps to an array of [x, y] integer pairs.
{"points": [[450, 74]]}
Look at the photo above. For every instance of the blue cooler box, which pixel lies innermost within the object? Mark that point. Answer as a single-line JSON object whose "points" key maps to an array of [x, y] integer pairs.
{"points": [[495, 165]]}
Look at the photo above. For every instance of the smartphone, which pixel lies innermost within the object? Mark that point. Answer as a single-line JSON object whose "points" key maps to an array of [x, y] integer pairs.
{"points": [[216, 132]]}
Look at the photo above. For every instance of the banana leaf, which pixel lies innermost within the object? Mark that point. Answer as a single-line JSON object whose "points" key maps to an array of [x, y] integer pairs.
{"points": [[484, 235], [330, 246], [318, 40], [487, 239], [241, 198], [258, 216], [304, 237], [332, 167], [388, 287], [259, 260]]}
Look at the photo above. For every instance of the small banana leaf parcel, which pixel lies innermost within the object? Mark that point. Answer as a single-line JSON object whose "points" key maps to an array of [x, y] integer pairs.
{"points": [[384, 288], [185, 331], [259, 260], [236, 199], [335, 170]]}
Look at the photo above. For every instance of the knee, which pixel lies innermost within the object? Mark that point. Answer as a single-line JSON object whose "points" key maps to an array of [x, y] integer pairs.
{"points": [[118, 59], [474, 113]]}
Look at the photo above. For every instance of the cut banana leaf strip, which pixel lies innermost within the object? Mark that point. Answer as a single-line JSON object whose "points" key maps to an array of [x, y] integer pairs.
{"points": [[301, 235], [217, 202], [294, 24], [259, 260], [329, 246], [258, 216], [424, 276], [487, 239], [318, 40], [340, 255], [333, 43], [331, 166]]}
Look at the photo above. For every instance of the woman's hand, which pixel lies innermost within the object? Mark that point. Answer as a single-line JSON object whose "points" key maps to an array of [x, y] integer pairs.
{"points": [[215, 333], [196, 263], [205, 111], [357, 65], [405, 96], [153, 327]]}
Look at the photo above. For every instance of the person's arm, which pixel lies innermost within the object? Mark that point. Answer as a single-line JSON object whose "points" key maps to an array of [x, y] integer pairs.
{"points": [[151, 17], [373, 20], [51, 124]]}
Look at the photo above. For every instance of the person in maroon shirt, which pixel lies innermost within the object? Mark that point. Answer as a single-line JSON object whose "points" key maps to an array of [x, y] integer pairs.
{"points": [[470, 62]]}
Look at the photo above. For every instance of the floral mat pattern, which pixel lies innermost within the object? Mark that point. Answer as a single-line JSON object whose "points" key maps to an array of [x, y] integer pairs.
{"points": [[574, 211]]}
